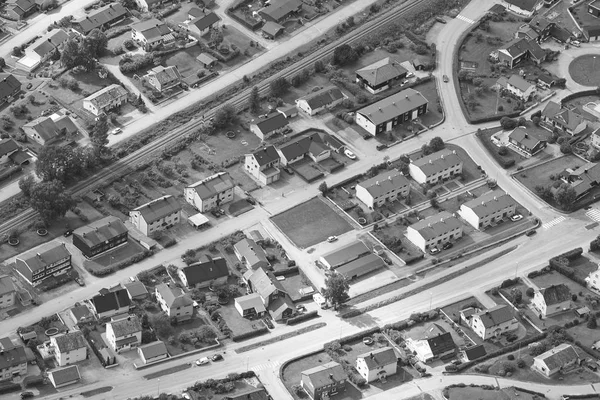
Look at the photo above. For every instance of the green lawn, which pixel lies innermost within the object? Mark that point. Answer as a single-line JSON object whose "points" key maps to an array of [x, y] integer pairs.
{"points": [[585, 70], [236, 322], [185, 60], [477, 393], [583, 266]]}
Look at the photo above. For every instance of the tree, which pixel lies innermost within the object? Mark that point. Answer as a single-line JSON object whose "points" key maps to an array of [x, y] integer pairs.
{"points": [[2, 63], [70, 56], [216, 37], [26, 184], [205, 333], [522, 122], [93, 46], [536, 121], [344, 54], [17, 52], [436, 144], [592, 323], [279, 87], [48, 5], [254, 100], [319, 66], [565, 196], [565, 148], [336, 289], [162, 325], [225, 116], [503, 150], [426, 150], [51, 200], [99, 137], [544, 192], [58, 163], [323, 188], [508, 123]]}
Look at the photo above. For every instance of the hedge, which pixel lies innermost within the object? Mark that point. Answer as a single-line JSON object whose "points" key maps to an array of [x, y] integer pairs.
{"points": [[302, 317], [561, 263], [286, 272], [493, 150], [9, 387], [584, 93], [533, 392], [581, 396], [352, 338], [251, 334]]}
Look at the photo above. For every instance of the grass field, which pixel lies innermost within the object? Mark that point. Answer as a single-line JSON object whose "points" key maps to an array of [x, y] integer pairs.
{"points": [[310, 223], [477, 393], [185, 60], [585, 70]]}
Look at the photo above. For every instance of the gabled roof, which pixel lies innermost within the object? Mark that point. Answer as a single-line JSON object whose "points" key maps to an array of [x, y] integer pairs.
{"points": [[44, 127], [151, 29], [159, 208], [583, 178], [527, 5], [195, 12], [65, 375], [379, 358], [251, 300], [103, 15], [288, 110], [519, 83], [264, 283], [272, 122], [551, 109], [126, 326], [393, 106], [279, 306], [206, 58], [475, 352], [559, 356], [520, 136], [44, 255], [81, 312], [105, 96], [346, 253], [206, 270], [361, 266], [325, 374], [546, 78], [64, 122], [382, 71], [174, 297], [6, 285], [49, 42], [281, 9], [8, 85], [517, 47], [436, 162], [495, 316], [272, 28], [300, 146], [560, 33], [11, 355], [384, 183], [205, 21], [213, 185], [490, 203], [436, 225], [556, 294], [154, 349], [136, 289], [250, 394], [8, 146], [111, 301], [100, 231], [266, 155], [439, 340], [569, 118], [165, 75], [322, 97], [251, 252], [70, 341]]}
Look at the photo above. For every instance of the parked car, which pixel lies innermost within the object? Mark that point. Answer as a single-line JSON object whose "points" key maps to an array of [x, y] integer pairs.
{"points": [[381, 146], [202, 361], [576, 43], [288, 170], [116, 131], [216, 213], [332, 239], [516, 217], [80, 281], [26, 395], [440, 20], [300, 308], [446, 79], [350, 154], [216, 357], [250, 200], [434, 250], [368, 340], [447, 245], [531, 232], [592, 367], [68, 233], [269, 323]]}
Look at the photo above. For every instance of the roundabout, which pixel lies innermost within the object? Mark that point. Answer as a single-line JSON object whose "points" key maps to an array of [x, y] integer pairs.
{"points": [[585, 70]]}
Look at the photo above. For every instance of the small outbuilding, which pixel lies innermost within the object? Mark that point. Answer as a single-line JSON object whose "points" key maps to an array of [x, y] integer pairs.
{"points": [[207, 60]]}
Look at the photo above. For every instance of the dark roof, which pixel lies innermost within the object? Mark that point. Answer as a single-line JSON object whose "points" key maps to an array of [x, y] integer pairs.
{"points": [[523, 45], [520, 136], [250, 394], [45, 255], [44, 127], [8, 85], [252, 253], [393, 106], [204, 271], [436, 225], [322, 375], [272, 122], [266, 155], [299, 146], [195, 12], [527, 5], [11, 355], [560, 33], [154, 349], [439, 340], [490, 202], [322, 97], [497, 9], [282, 8], [136, 289], [165, 75], [50, 41], [8, 146], [213, 185], [379, 358], [272, 28], [81, 312], [556, 294], [100, 231], [6, 285], [103, 15], [559, 356], [384, 183], [519, 83], [126, 326], [346, 254], [437, 162], [264, 282], [159, 208], [65, 375], [70, 341], [111, 301], [361, 266], [475, 352], [382, 71], [206, 21], [495, 316], [279, 306], [174, 297], [151, 28], [546, 78], [65, 122]]}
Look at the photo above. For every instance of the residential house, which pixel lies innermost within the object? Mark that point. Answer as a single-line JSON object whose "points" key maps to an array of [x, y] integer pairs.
{"points": [[324, 381], [334, 143], [344, 255], [272, 293], [587, 15], [321, 100], [100, 236], [164, 78], [472, 353], [147, 5], [8, 292], [174, 302], [552, 300], [564, 119], [136, 290], [435, 343], [561, 359], [202, 25], [378, 364], [207, 60], [250, 306], [152, 34], [20, 9], [204, 272], [543, 29], [152, 352], [251, 254], [493, 322], [102, 18], [42, 49], [13, 360], [81, 314], [11, 151], [50, 259], [47, 130], [194, 13], [271, 30], [525, 142], [156, 215], [520, 49], [520, 88], [281, 10], [526, 8], [383, 115], [272, 125], [545, 81], [105, 99], [488, 209], [380, 75], [595, 139], [435, 231], [360, 267], [439, 166], [296, 150], [64, 376], [69, 348], [124, 334], [592, 280], [211, 192], [109, 303], [288, 111], [10, 87], [582, 178], [263, 165], [387, 186], [258, 393]]}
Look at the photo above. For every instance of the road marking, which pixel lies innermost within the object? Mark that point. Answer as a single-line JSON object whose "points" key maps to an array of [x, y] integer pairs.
{"points": [[555, 221], [593, 214], [467, 20], [270, 365]]}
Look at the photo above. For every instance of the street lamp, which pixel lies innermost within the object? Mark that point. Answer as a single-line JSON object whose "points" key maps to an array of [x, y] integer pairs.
{"points": [[158, 390], [430, 300]]}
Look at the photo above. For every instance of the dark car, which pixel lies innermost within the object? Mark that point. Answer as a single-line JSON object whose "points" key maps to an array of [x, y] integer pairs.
{"points": [[447, 246], [68, 233], [80, 281], [217, 357], [531, 232], [288, 170], [440, 20], [250, 200], [381, 147], [26, 395], [269, 323]]}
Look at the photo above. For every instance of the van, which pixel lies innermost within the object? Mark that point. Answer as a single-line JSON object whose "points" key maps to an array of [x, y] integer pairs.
{"points": [[320, 300]]}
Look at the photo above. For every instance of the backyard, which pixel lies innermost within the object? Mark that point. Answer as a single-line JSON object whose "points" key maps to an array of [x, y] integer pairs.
{"points": [[310, 223], [238, 324], [112, 257]]}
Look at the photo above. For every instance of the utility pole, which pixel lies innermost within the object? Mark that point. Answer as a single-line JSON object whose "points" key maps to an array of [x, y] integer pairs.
{"points": [[158, 390], [430, 300], [247, 362]]}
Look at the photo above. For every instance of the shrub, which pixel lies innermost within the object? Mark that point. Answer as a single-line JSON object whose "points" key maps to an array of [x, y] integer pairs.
{"points": [[529, 292]]}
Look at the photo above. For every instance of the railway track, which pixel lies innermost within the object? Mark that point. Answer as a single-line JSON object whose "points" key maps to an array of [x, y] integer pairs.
{"points": [[129, 162]]}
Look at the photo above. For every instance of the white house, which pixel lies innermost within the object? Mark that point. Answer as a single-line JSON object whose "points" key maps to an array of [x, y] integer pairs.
{"points": [[7, 292], [321, 100], [69, 348], [520, 88], [434, 343], [174, 302], [250, 306], [493, 322], [210, 192], [124, 334], [105, 99], [435, 231], [156, 215], [152, 352], [562, 358], [272, 125], [263, 165], [488, 209], [151, 34], [593, 281], [377, 364], [387, 186], [525, 8], [435, 167], [552, 300], [13, 360], [311, 146]]}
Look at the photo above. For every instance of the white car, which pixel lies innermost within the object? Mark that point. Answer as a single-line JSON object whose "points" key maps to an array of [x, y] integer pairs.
{"points": [[332, 239], [434, 250], [116, 131], [516, 217], [202, 361], [350, 154]]}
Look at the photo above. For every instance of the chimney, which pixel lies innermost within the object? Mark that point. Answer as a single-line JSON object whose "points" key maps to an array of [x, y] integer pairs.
{"points": [[128, 318], [442, 156], [390, 178], [526, 136], [430, 162], [429, 225], [495, 197], [372, 356], [39, 256], [331, 376], [379, 108], [377, 183], [406, 97]]}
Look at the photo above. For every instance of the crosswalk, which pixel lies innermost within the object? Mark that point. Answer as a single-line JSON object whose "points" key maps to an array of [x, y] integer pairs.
{"points": [[467, 20], [555, 221], [593, 214], [273, 365]]}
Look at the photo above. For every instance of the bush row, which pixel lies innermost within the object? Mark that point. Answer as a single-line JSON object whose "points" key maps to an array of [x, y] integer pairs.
{"points": [[251, 334], [123, 264], [10, 387], [493, 150], [286, 272], [354, 337], [561, 264], [212, 383], [303, 317], [584, 93]]}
